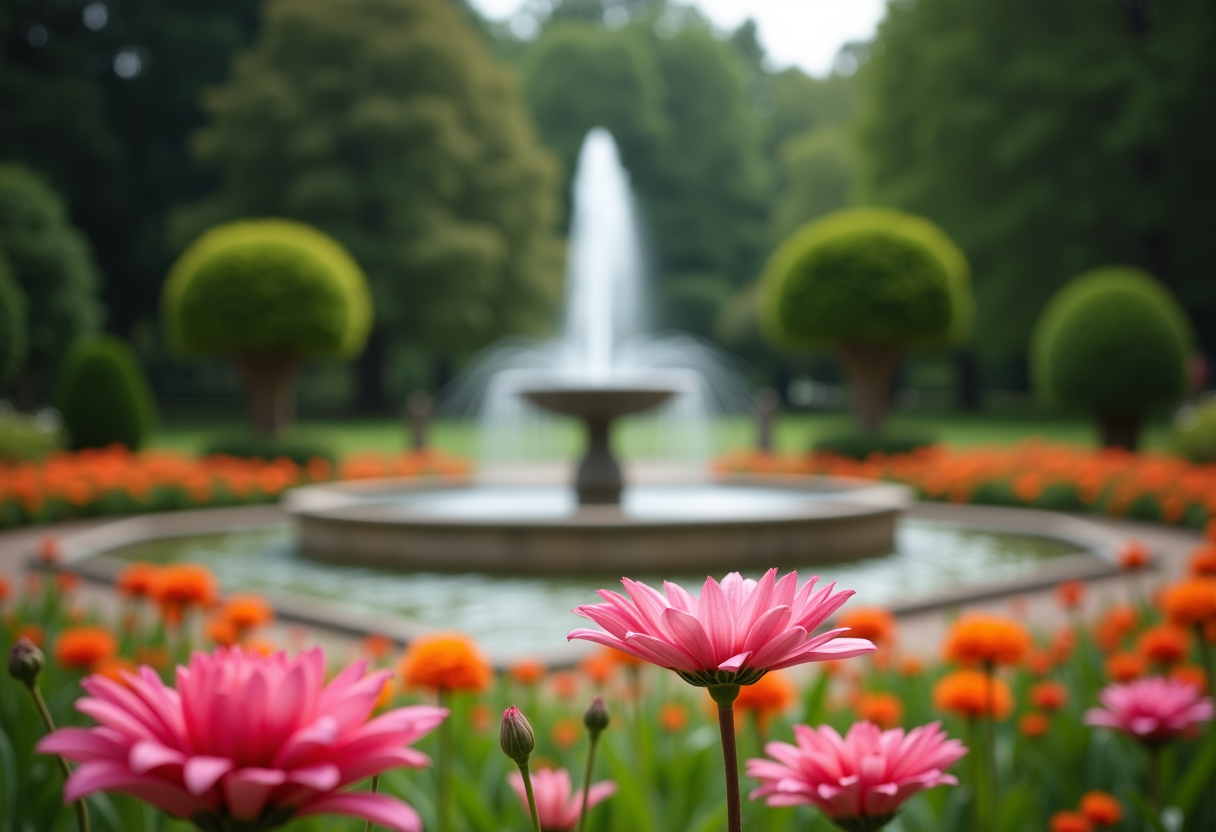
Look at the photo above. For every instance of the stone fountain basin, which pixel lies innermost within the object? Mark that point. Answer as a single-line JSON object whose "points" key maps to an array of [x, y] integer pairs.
{"points": [[597, 402], [438, 525]]}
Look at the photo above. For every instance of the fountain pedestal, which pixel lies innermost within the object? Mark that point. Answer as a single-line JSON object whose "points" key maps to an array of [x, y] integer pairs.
{"points": [[598, 480]]}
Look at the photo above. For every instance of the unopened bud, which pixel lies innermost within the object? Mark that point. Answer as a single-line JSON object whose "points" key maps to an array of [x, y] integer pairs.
{"points": [[516, 736], [25, 661], [596, 718]]}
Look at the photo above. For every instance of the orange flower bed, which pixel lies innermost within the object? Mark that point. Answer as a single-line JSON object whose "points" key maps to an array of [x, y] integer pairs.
{"points": [[115, 480], [1149, 486]]}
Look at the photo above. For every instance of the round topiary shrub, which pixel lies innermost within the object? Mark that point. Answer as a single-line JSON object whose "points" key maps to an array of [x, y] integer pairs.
{"points": [[1194, 434], [1113, 343], [14, 335], [870, 282], [104, 396], [267, 293]]}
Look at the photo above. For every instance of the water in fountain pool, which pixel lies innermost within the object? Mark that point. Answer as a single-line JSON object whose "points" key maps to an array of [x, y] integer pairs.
{"points": [[517, 617]]}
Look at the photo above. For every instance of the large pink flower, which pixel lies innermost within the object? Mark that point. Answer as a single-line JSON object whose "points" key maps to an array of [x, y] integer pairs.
{"points": [[1152, 710], [860, 780], [248, 737], [735, 633], [556, 808]]}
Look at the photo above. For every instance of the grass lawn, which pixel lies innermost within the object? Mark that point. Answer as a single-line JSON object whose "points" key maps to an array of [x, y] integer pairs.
{"points": [[794, 432]]}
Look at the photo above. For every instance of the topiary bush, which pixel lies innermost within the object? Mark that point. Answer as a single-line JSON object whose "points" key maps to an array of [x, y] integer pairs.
{"points": [[267, 294], [870, 282], [299, 449], [104, 396], [14, 335], [1194, 435], [1113, 343]]}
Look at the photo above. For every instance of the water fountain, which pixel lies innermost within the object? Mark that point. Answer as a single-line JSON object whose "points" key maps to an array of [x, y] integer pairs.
{"points": [[604, 366]]}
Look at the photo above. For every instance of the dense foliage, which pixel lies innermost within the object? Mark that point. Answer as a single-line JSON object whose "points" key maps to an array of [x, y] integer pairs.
{"points": [[104, 396], [51, 264], [1047, 138], [1194, 435], [14, 334], [1114, 343], [386, 124]]}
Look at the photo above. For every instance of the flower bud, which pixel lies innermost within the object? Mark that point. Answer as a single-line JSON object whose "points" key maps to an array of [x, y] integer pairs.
{"points": [[516, 736], [596, 718], [25, 661]]}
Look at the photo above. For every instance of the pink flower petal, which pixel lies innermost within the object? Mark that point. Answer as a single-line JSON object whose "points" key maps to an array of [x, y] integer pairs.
{"points": [[380, 809]]}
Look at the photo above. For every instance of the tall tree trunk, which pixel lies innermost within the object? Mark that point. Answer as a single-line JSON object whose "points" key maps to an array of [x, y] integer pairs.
{"points": [[871, 370], [270, 385], [1120, 430], [369, 370], [966, 381]]}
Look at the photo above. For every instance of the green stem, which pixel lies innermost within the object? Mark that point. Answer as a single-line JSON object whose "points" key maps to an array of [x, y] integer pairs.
{"points": [[1205, 650], [977, 776], [582, 815], [990, 738], [445, 764], [725, 696], [367, 827], [1154, 777], [82, 813], [523, 769]]}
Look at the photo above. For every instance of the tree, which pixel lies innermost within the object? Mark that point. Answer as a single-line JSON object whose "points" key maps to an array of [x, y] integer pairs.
{"points": [[51, 264], [1046, 137], [104, 396], [816, 171], [267, 293], [1113, 343], [14, 338], [870, 282], [385, 123]]}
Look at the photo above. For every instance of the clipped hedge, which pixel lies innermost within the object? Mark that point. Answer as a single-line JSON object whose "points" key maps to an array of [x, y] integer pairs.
{"points": [[863, 446], [267, 286], [871, 275], [14, 332], [299, 449], [104, 396], [1112, 342]]}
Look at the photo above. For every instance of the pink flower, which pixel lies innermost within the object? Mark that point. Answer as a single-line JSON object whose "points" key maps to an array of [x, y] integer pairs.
{"points": [[259, 739], [557, 809], [1153, 710], [735, 633], [858, 781]]}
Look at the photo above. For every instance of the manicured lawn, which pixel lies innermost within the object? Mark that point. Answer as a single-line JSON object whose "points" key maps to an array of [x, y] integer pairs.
{"points": [[794, 432]]}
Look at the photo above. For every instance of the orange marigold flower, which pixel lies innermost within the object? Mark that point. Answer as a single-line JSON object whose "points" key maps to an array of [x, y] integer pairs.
{"points": [[1203, 560], [5, 589], [910, 666], [600, 666], [566, 732], [1134, 555], [84, 647], [1164, 644], [885, 710], [969, 693], [1124, 667], [222, 631], [386, 694], [377, 646], [1048, 696], [48, 548], [185, 585], [1034, 724], [445, 662], [1191, 602], [773, 694], [480, 717], [1063, 641], [1192, 675], [1071, 594], [565, 684], [873, 623], [247, 612], [33, 632], [1101, 808], [157, 657], [980, 638], [1040, 662], [66, 582], [673, 716], [1114, 627], [137, 579], [262, 646], [113, 668], [528, 671], [1070, 822]]}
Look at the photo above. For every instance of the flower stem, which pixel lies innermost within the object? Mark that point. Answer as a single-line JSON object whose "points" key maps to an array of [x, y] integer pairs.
{"points": [[82, 813], [990, 737], [523, 769], [1205, 650], [725, 696], [1154, 777], [582, 814], [977, 776], [444, 765], [367, 827]]}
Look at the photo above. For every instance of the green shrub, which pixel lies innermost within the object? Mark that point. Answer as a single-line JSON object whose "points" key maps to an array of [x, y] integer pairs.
{"points": [[1194, 435], [1113, 343], [869, 275], [861, 446], [14, 334], [28, 437], [104, 396], [299, 449]]}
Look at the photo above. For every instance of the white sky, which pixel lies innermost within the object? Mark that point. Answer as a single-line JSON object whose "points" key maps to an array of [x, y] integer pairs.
{"points": [[802, 32]]}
